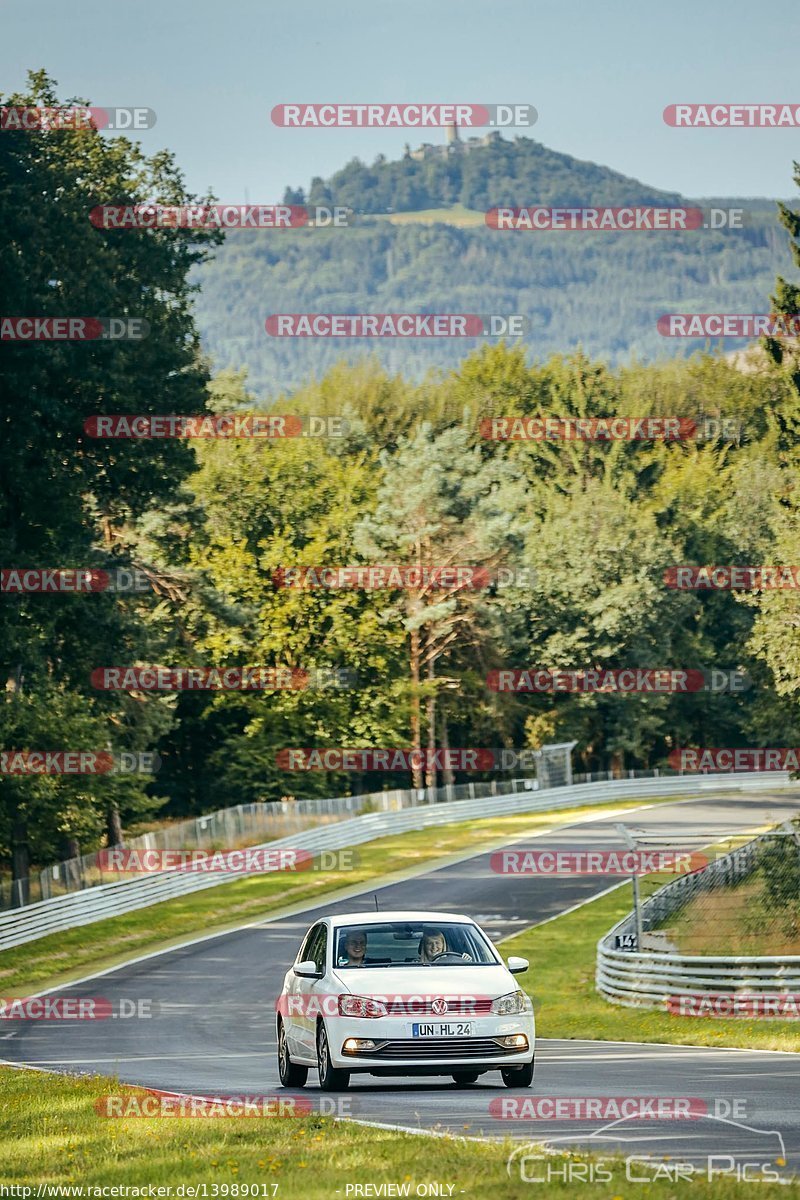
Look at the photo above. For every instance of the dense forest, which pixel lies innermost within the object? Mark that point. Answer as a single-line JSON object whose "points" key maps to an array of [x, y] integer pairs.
{"points": [[603, 292], [211, 522], [502, 172]]}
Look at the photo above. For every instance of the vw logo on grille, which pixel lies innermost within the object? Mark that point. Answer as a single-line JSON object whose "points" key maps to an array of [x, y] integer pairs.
{"points": [[439, 1006]]}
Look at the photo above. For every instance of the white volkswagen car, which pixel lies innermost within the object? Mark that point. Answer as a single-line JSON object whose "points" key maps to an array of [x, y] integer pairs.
{"points": [[403, 993]]}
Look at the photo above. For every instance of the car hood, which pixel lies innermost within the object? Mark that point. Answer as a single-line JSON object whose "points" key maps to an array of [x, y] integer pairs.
{"points": [[427, 981]]}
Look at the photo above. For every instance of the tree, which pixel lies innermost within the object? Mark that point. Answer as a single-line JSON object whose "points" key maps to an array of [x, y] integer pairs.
{"points": [[786, 300], [439, 505], [270, 506], [776, 630], [67, 499]]}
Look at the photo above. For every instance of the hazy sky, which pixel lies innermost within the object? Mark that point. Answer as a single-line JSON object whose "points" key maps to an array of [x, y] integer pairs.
{"points": [[598, 74]]}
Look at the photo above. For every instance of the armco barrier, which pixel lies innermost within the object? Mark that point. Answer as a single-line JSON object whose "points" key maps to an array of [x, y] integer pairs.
{"points": [[649, 979], [265, 821], [112, 899]]}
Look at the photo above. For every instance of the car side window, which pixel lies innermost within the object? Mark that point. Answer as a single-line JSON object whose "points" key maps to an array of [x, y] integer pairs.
{"points": [[305, 950], [318, 947]]}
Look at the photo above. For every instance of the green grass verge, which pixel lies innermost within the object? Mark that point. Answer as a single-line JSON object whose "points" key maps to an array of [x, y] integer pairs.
{"points": [[736, 920], [56, 959], [457, 215], [51, 1134], [561, 981]]}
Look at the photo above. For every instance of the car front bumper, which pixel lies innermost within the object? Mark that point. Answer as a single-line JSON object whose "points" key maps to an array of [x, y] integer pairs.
{"points": [[492, 1044]]}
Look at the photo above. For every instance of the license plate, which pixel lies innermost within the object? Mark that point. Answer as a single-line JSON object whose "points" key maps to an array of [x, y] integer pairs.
{"points": [[438, 1029]]}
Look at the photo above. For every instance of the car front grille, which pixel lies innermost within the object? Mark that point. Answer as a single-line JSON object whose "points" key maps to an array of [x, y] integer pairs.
{"points": [[438, 1048], [463, 1005]]}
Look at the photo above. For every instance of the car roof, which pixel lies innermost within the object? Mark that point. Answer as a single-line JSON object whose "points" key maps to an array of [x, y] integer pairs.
{"points": [[400, 915]]}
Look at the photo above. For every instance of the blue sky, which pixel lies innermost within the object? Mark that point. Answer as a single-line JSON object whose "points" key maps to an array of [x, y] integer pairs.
{"points": [[599, 75]]}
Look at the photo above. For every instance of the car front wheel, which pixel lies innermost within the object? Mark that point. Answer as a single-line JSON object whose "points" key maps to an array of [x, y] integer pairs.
{"points": [[518, 1077], [292, 1074], [330, 1079], [462, 1077]]}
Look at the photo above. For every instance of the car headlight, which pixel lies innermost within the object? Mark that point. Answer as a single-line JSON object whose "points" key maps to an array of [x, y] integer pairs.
{"points": [[510, 1004], [360, 1006]]}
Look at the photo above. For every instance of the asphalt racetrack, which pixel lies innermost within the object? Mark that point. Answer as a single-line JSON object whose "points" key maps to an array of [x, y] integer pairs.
{"points": [[213, 1028]]}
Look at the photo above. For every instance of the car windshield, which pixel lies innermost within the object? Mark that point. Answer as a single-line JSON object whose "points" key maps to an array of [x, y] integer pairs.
{"points": [[410, 944]]}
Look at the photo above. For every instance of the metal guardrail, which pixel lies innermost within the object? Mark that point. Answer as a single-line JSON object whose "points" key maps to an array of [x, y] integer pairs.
{"points": [[658, 979], [259, 821], [235, 826], [245, 824], [113, 899]]}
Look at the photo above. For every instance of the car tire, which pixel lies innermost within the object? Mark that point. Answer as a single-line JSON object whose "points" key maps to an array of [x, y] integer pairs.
{"points": [[462, 1077], [518, 1077], [291, 1074], [330, 1078]]}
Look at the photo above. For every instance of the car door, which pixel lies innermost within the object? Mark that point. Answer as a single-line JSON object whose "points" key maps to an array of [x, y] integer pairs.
{"points": [[309, 994], [296, 998]]}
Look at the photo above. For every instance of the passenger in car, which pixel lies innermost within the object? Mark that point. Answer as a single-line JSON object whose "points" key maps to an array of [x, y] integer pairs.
{"points": [[355, 947]]}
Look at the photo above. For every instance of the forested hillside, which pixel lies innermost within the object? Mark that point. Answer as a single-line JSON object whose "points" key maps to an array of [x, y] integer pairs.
{"points": [[603, 291]]}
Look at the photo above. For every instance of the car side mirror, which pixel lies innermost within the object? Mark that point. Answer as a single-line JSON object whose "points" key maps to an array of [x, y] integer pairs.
{"points": [[307, 969], [517, 966]]}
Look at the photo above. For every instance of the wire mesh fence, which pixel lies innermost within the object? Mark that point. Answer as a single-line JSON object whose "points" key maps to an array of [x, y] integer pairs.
{"points": [[249, 824], [745, 901]]}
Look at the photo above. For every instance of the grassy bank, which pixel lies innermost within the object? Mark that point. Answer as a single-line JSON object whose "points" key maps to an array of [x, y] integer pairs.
{"points": [[50, 1133], [736, 920], [457, 214]]}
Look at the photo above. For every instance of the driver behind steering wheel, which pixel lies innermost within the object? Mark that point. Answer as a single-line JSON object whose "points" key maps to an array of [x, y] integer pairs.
{"points": [[433, 945]]}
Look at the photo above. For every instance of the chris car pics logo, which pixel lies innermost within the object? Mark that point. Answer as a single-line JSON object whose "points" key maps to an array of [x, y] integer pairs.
{"points": [[631, 1148]]}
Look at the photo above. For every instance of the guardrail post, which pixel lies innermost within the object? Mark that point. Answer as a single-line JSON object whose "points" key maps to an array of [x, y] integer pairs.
{"points": [[637, 904]]}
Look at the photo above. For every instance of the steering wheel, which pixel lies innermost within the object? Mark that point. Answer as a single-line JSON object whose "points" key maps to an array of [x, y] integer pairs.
{"points": [[451, 954]]}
